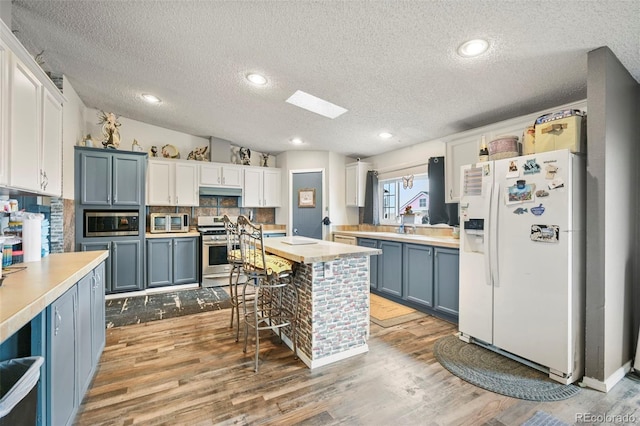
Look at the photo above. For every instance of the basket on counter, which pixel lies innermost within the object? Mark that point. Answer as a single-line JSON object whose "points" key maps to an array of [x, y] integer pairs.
{"points": [[504, 147]]}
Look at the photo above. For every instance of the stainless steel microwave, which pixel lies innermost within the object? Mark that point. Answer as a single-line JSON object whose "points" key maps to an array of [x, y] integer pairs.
{"points": [[168, 222], [111, 223]]}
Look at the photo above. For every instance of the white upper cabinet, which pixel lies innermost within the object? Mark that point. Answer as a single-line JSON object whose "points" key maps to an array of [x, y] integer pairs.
{"points": [[262, 187], [463, 148], [4, 112], [172, 183], [220, 175], [30, 122], [51, 152], [186, 178], [356, 179], [458, 153], [24, 140]]}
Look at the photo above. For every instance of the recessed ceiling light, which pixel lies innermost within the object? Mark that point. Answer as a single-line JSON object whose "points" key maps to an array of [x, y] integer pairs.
{"points": [[385, 135], [151, 98], [296, 141], [314, 104], [473, 48], [258, 79]]}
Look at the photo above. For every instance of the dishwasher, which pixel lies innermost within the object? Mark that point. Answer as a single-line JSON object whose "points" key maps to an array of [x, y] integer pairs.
{"points": [[345, 239]]}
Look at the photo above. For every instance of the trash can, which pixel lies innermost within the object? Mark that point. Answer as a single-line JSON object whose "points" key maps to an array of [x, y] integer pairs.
{"points": [[18, 390]]}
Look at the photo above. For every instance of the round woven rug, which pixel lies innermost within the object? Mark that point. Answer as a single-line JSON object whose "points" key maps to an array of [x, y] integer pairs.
{"points": [[497, 373]]}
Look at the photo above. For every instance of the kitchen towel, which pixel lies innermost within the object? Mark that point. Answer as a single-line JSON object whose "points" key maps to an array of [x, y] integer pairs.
{"points": [[31, 236]]}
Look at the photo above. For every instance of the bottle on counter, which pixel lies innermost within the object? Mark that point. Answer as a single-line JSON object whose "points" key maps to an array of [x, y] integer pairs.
{"points": [[484, 152]]}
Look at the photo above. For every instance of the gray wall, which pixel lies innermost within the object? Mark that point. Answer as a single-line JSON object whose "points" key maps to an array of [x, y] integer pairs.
{"points": [[612, 182]]}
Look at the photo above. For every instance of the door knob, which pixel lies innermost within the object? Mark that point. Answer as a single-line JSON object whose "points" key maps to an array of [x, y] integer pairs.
{"points": [[295, 231]]}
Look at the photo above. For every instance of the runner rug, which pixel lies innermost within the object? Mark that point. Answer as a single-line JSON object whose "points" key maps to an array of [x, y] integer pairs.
{"points": [[159, 306], [386, 313]]}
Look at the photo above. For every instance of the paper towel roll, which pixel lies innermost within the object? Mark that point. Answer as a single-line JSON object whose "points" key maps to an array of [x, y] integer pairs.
{"points": [[31, 240]]}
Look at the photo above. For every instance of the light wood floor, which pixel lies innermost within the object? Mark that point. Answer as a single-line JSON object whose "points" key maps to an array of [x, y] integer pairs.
{"points": [[190, 371]]}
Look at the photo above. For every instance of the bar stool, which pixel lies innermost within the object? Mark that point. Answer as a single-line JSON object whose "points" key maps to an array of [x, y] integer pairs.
{"points": [[275, 302], [234, 258]]}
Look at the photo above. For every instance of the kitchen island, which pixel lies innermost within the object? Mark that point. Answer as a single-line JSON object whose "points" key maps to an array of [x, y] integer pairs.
{"points": [[333, 287]]}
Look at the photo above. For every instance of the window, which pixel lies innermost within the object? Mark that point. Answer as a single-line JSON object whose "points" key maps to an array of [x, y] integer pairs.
{"points": [[399, 193]]}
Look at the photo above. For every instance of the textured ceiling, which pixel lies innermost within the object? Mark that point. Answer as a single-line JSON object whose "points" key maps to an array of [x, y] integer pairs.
{"points": [[392, 64]]}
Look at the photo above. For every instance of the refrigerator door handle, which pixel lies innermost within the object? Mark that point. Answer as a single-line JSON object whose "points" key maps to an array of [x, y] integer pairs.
{"points": [[495, 229], [487, 231]]}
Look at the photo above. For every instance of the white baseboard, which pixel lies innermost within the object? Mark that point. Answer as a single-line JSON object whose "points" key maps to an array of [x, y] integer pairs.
{"points": [[610, 382], [315, 363], [149, 291]]}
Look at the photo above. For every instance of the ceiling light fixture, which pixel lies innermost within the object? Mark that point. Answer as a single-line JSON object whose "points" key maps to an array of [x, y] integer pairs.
{"points": [[257, 79], [151, 98], [473, 48], [385, 135], [296, 141], [314, 104]]}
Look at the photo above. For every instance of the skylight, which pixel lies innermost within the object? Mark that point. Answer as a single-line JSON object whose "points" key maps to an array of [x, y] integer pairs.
{"points": [[314, 104]]}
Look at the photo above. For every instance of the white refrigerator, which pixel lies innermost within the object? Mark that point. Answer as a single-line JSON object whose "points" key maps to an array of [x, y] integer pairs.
{"points": [[522, 267]]}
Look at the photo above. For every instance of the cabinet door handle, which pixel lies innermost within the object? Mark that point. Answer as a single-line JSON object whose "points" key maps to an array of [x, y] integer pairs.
{"points": [[177, 202], [223, 180], [108, 198], [451, 194], [58, 322], [218, 179]]}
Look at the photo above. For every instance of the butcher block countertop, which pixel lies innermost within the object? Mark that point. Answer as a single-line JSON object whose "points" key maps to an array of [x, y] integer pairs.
{"points": [[405, 238], [26, 293], [150, 235], [310, 250]]}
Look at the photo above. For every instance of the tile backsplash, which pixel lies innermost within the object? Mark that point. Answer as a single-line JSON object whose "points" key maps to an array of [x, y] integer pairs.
{"points": [[217, 206]]}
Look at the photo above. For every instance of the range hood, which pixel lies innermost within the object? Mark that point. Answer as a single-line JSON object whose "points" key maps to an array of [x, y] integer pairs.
{"points": [[221, 192]]}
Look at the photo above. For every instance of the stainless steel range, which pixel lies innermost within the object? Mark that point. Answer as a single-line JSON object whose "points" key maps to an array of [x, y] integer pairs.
{"points": [[215, 267]]}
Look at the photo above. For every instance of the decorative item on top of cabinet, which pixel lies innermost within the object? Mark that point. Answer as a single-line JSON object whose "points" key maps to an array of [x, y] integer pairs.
{"points": [[135, 146], [201, 153], [170, 151], [110, 132], [245, 156], [264, 159]]}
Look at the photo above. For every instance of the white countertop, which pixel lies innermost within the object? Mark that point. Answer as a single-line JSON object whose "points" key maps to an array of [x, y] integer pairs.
{"points": [[24, 294], [405, 238], [318, 251]]}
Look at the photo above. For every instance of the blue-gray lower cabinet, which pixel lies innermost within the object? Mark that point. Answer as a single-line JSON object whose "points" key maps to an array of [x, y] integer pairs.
{"points": [[421, 276], [74, 338], [446, 279], [373, 260], [126, 265], [172, 261], [123, 271], [61, 358], [417, 265], [390, 268]]}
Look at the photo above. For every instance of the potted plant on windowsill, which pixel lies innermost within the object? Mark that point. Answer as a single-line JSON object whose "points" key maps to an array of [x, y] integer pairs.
{"points": [[408, 217]]}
